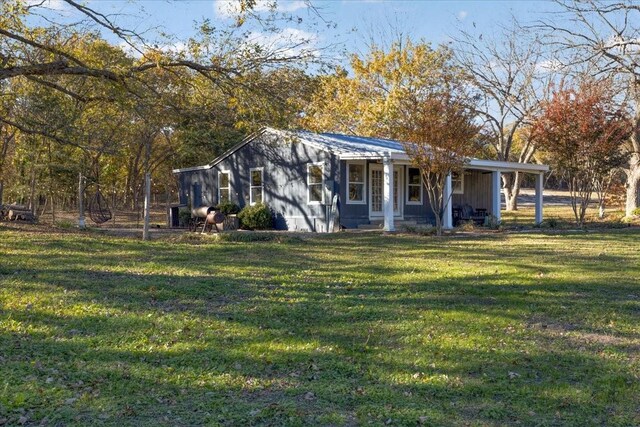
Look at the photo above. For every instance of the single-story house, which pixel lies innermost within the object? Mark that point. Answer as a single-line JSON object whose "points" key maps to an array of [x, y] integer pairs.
{"points": [[318, 182]]}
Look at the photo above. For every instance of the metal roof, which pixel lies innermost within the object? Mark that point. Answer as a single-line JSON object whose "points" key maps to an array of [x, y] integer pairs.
{"points": [[348, 147]]}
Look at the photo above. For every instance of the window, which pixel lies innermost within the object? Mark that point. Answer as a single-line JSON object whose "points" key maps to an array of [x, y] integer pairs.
{"points": [[414, 186], [223, 187], [256, 186], [315, 181], [457, 182], [355, 183]]}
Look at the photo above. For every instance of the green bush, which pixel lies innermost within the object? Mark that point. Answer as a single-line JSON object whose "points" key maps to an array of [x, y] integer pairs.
{"points": [[256, 217], [184, 216], [635, 212], [228, 208]]}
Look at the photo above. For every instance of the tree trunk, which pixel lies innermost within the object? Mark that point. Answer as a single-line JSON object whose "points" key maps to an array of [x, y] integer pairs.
{"points": [[147, 190], [601, 207], [633, 184], [6, 140], [511, 189], [32, 190]]}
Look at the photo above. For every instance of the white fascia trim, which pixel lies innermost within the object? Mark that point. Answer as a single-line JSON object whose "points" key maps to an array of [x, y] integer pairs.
{"points": [[374, 156], [495, 165], [192, 169]]}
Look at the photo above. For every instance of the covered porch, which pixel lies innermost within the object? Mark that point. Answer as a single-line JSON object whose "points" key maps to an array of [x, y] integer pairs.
{"points": [[483, 191]]}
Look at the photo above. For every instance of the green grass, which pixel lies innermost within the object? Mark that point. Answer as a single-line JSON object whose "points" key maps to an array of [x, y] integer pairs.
{"points": [[348, 329]]}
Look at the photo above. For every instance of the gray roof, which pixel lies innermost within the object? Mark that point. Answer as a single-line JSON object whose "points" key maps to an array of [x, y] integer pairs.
{"points": [[348, 147]]}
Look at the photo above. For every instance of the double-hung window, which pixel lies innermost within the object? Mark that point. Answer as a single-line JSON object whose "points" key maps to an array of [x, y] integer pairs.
{"points": [[457, 182], [315, 184], [414, 186], [355, 183], [256, 186], [224, 187]]}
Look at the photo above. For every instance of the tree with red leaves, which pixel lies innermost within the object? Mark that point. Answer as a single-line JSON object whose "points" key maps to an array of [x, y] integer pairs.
{"points": [[583, 130]]}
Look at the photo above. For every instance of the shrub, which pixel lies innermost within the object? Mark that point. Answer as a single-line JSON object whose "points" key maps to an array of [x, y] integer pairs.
{"points": [[636, 212], [228, 208], [491, 222], [550, 223], [466, 226], [184, 216], [422, 230], [256, 217]]}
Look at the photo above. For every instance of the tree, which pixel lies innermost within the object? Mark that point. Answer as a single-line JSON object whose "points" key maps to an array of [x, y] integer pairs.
{"points": [[509, 71], [368, 103], [440, 132], [128, 109], [583, 133], [606, 34], [409, 92]]}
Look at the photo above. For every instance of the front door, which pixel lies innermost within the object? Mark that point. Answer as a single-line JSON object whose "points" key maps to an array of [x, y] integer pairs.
{"points": [[376, 191]]}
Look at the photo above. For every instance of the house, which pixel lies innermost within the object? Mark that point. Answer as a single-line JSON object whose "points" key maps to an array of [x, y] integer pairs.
{"points": [[299, 174]]}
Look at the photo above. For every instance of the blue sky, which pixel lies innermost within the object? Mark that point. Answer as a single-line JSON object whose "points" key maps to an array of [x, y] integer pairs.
{"points": [[433, 20], [356, 20]]}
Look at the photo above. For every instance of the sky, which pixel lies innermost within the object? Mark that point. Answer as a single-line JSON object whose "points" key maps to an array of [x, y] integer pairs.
{"points": [[356, 21]]}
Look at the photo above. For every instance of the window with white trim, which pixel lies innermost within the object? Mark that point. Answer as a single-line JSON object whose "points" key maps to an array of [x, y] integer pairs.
{"points": [[224, 187], [256, 189], [414, 186], [355, 183], [457, 182], [315, 184]]}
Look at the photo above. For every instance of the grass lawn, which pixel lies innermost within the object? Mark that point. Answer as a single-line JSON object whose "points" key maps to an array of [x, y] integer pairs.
{"points": [[346, 329]]}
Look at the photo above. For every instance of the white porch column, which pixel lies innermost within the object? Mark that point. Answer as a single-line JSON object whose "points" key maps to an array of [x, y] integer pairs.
{"points": [[496, 190], [539, 195], [447, 218], [387, 191]]}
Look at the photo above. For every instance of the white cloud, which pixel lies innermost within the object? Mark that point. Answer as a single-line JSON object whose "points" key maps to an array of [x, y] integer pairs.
{"points": [[462, 15], [175, 48], [231, 8], [549, 65], [288, 41], [49, 4]]}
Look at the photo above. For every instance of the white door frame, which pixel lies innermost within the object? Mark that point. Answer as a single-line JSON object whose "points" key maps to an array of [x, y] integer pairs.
{"points": [[398, 191]]}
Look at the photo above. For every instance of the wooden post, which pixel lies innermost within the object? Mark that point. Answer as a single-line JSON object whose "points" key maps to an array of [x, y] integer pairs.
{"points": [[539, 196], [447, 218], [388, 194], [81, 222], [496, 189], [147, 205]]}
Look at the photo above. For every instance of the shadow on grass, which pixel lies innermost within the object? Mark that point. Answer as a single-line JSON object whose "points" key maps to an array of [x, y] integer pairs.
{"points": [[339, 331]]}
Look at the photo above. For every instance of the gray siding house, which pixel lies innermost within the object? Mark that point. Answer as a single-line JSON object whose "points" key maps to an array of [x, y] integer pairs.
{"points": [[317, 182]]}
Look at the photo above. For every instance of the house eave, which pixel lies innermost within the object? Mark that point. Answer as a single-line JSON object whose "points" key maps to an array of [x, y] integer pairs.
{"points": [[394, 155], [496, 165], [489, 165]]}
